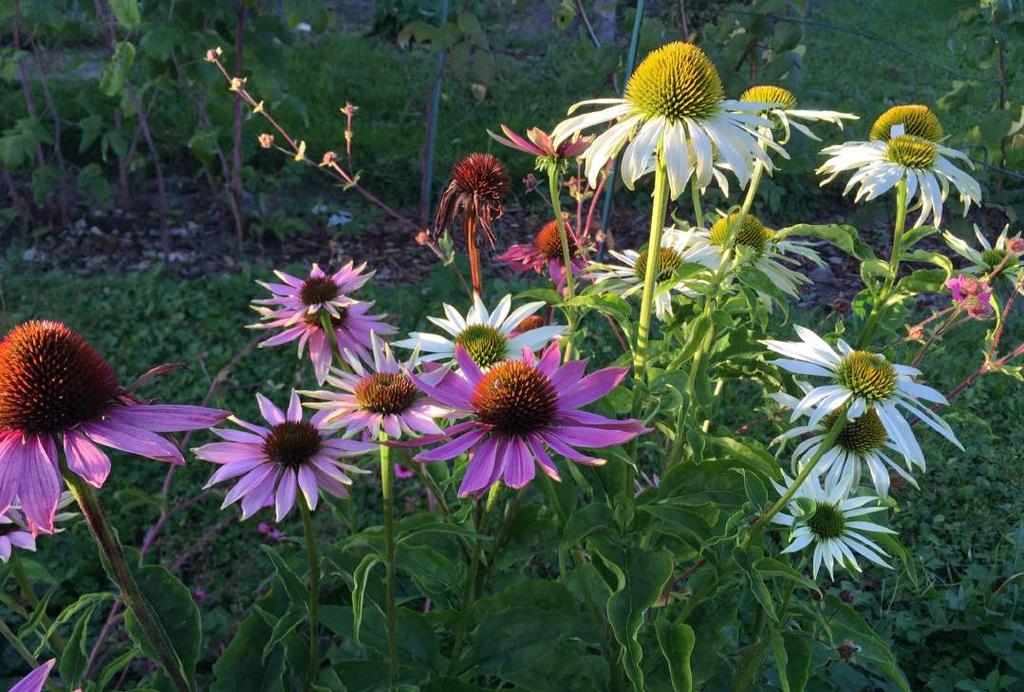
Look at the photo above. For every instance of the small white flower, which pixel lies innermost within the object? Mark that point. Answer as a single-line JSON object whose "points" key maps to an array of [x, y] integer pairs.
{"points": [[863, 441], [488, 337], [832, 522], [990, 255], [782, 108], [859, 380], [626, 278], [674, 104]]}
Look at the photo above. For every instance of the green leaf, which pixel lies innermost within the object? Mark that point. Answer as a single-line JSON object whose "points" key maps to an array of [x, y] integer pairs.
{"points": [[116, 666], [297, 592], [798, 660], [292, 618], [75, 657], [843, 236], [176, 613], [359, 579], [241, 666], [642, 576], [127, 12], [781, 657], [757, 586], [676, 642], [770, 567], [845, 624], [586, 520], [115, 74]]}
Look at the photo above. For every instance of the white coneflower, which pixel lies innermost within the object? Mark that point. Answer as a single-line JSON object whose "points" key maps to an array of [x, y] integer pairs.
{"points": [[674, 102], [489, 337], [626, 277], [904, 151], [833, 525], [861, 380], [783, 110], [1005, 252], [769, 255], [861, 442]]}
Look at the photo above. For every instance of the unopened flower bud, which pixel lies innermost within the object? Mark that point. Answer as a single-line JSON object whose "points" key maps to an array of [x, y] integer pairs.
{"points": [[348, 109], [328, 158], [845, 596], [213, 54], [423, 237], [846, 651], [266, 140], [530, 182]]}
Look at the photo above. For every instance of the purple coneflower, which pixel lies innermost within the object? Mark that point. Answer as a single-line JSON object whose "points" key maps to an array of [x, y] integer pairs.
{"points": [[540, 144], [55, 388], [297, 308], [275, 462], [474, 197], [517, 410], [383, 397], [545, 253]]}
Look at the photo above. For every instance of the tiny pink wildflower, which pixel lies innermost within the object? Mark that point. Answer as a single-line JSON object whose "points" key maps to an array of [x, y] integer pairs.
{"points": [[971, 295]]}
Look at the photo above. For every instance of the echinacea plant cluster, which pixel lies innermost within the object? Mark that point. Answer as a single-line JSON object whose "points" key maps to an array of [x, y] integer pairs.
{"points": [[584, 513]]}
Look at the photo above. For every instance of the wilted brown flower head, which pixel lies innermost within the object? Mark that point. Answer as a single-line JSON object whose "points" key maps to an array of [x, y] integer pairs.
{"points": [[475, 195]]}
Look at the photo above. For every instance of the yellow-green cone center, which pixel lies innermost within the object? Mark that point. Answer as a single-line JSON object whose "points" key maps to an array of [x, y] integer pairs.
{"points": [[911, 151], [827, 521], [992, 258], [676, 81], [861, 435], [668, 261], [484, 344], [917, 120], [867, 375], [751, 232], [768, 93]]}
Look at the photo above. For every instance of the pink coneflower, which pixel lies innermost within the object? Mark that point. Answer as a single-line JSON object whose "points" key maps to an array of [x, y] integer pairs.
{"points": [[274, 463], [971, 295], [545, 253], [540, 144], [55, 388], [381, 397], [297, 306], [36, 680], [519, 408]]}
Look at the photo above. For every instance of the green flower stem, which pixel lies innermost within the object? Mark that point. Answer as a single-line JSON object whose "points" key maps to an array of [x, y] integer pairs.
{"points": [[16, 644], [386, 493], [563, 236], [650, 278], [748, 200], [698, 210], [470, 592], [879, 306], [120, 571], [325, 322], [314, 594], [805, 472]]}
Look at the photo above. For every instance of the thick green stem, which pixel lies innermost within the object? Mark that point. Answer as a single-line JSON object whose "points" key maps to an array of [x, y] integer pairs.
{"points": [[698, 210], [470, 593], [314, 594], [121, 573], [748, 200], [16, 644], [563, 236], [387, 496], [650, 277], [325, 322], [880, 303]]}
